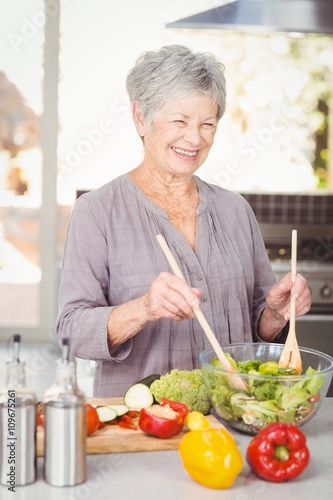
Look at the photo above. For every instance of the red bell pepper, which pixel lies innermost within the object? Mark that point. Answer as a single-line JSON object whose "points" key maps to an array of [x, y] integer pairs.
{"points": [[278, 453], [164, 420], [126, 421]]}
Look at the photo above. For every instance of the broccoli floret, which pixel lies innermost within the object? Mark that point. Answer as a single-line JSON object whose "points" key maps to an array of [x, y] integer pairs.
{"points": [[183, 386]]}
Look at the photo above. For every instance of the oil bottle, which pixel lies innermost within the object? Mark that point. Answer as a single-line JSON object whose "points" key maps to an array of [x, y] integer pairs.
{"points": [[65, 426], [17, 425]]}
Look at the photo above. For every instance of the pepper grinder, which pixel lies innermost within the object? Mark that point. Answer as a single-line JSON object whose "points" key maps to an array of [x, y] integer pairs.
{"points": [[17, 425], [65, 426]]}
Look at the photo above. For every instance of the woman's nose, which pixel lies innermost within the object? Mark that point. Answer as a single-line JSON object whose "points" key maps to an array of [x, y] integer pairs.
{"points": [[192, 134]]}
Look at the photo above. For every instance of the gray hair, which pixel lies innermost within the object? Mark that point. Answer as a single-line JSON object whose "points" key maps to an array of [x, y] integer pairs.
{"points": [[175, 72]]}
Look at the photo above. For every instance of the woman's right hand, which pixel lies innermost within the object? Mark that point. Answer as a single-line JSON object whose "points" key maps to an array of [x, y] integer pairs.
{"points": [[170, 297]]}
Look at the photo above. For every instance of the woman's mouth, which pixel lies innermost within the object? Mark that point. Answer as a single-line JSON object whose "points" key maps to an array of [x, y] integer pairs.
{"points": [[183, 152]]}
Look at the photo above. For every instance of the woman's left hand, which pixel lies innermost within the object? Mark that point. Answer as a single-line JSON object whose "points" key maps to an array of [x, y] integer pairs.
{"points": [[278, 298]]}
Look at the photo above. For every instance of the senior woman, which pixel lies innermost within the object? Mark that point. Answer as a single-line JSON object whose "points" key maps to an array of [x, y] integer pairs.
{"points": [[119, 303]]}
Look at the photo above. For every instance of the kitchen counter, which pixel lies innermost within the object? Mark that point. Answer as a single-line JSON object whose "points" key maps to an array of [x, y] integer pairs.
{"points": [[160, 475]]}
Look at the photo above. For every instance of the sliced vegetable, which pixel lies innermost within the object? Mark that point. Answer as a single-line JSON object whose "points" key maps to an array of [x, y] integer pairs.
{"points": [[163, 420], [278, 453], [119, 409], [127, 422], [138, 396], [133, 413], [106, 414], [268, 399]]}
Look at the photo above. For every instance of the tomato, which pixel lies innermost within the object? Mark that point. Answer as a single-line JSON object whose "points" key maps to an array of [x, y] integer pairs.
{"points": [[40, 414], [315, 398], [93, 421]]}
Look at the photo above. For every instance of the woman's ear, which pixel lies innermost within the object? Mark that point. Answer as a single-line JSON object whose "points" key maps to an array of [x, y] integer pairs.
{"points": [[138, 118]]}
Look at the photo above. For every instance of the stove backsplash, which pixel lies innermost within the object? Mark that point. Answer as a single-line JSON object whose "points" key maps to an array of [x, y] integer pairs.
{"points": [[291, 209]]}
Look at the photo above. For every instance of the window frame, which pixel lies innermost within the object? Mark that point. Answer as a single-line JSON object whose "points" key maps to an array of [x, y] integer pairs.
{"points": [[48, 236]]}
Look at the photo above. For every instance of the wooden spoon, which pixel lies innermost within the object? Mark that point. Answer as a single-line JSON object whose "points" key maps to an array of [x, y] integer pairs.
{"points": [[290, 355], [237, 382]]}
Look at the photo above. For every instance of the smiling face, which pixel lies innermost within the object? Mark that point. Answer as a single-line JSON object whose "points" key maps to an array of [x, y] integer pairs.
{"points": [[180, 138]]}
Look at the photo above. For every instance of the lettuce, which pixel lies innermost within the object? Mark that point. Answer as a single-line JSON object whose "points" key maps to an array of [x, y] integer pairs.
{"points": [[266, 400]]}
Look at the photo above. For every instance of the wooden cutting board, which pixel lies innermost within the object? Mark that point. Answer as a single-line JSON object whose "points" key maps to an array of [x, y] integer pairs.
{"points": [[115, 439]]}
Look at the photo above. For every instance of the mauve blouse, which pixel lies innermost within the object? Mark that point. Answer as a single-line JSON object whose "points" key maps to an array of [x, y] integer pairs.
{"points": [[111, 256]]}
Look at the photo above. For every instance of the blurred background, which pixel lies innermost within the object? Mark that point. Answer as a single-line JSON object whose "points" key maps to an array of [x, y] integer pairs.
{"points": [[66, 127]]}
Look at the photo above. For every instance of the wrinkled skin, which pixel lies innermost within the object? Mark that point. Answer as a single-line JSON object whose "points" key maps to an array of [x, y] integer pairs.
{"points": [[278, 298], [170, 297]]}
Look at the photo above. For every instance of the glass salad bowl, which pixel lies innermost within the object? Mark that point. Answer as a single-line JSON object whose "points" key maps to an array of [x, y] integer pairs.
{"points": [[273, 394]]}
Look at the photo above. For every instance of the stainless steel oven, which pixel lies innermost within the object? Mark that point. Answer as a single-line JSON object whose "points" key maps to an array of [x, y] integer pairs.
{"points": [[315, 262]]}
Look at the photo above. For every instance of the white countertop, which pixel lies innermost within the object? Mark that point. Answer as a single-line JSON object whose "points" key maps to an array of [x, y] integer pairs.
{"points": [[161, 476]]}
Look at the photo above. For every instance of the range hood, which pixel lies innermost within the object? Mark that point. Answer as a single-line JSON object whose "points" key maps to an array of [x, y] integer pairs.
{"points": [[265, 16]]}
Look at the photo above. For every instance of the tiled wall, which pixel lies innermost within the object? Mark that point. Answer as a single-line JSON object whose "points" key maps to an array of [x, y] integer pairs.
{"points": [[288, 209]]}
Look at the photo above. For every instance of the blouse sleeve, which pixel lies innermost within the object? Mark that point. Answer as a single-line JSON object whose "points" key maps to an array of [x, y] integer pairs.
{"points": [[84, 309]]}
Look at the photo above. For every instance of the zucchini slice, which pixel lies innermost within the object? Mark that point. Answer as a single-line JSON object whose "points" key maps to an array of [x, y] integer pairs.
{"points": [[119, 409], [106, 414], [138, 396]]}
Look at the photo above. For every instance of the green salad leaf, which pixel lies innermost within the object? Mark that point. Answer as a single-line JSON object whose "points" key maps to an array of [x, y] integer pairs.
{"points": [[268, 399]]}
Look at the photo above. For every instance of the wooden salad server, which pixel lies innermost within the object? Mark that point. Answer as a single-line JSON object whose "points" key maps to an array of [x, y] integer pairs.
{"points": [[237, 382], [290, 356]]}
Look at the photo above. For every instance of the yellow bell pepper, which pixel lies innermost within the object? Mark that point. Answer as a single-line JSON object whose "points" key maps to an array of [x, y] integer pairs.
{"points": [[211, 457]]}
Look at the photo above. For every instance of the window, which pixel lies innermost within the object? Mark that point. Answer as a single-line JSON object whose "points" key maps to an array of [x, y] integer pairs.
{"points": [[28, 103]]}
